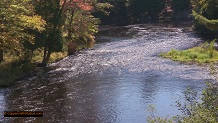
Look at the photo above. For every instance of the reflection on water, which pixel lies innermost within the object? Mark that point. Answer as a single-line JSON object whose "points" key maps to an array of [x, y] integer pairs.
{"points": [[115, 82]]}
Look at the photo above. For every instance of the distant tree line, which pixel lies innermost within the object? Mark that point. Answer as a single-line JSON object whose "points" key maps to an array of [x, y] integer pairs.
{"points": [[139, 11], [204, 13]]}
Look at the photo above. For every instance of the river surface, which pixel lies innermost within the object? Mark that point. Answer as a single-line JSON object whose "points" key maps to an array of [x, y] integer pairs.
{"points": [[114, 82]]}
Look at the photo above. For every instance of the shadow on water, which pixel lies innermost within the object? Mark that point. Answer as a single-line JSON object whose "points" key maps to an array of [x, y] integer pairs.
{"points": [[115, 82]]}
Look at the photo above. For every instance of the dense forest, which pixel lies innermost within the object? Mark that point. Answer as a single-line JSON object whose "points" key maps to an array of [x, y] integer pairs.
{"points": [[140, 11]]}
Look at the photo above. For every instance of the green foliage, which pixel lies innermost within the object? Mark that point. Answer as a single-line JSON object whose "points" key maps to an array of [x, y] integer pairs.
{"points": [[118, 13], [67, 21], [193, 111], [189, 104], [84, 27], [155, 119], [13, 70], [51, 38], [207, 111], [37, 30], [17, 20], [55, 56], [103, 8], [201, 54], [207, 8], [141, 9], [205, 14], [210, 24], [210, 99]]}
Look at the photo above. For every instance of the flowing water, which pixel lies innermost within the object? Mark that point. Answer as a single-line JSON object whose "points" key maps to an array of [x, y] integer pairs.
{"points": [[112, 83]]}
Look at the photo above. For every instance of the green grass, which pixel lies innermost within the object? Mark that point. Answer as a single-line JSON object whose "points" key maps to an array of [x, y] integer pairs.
{"points": [[204, 53], [56, 56], [10, 71]]}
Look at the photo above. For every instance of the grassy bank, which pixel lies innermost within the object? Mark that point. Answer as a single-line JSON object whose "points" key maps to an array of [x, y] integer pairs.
{"points": [[205, 53], [13, 68], [10, 71], [38, 56]]}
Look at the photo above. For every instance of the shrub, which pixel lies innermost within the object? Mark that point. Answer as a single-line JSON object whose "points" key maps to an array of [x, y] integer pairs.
{"points": [[193, 112]]}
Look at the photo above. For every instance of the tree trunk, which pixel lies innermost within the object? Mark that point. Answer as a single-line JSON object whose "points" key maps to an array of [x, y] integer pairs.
{"points": [[1, 55], [44, 58], [71, 48], [47, 54]]}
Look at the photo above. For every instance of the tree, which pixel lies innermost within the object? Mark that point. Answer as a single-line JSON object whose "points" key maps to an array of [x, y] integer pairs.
{"points": [[1, 55], [207, 8], [206, 16], [210, 24], [51, 38], [82, 30], [17, 20], [132, 11], [60, 17]]}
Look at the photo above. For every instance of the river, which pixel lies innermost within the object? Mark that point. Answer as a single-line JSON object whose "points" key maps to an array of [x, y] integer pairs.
{"points": [[114, 82]]}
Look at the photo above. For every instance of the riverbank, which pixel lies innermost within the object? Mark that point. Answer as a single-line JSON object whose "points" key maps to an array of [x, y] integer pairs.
{"points": [[164, 24], [202, 54], [13, 70]]}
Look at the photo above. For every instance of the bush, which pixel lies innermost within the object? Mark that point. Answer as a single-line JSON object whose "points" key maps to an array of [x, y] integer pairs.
{"points": [[194, 112], [207, 111]]}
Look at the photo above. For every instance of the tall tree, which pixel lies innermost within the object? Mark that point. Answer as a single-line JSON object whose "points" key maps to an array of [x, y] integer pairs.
{"points": [[60, 17], [1, 55], [51, 38], [79, 24]]}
